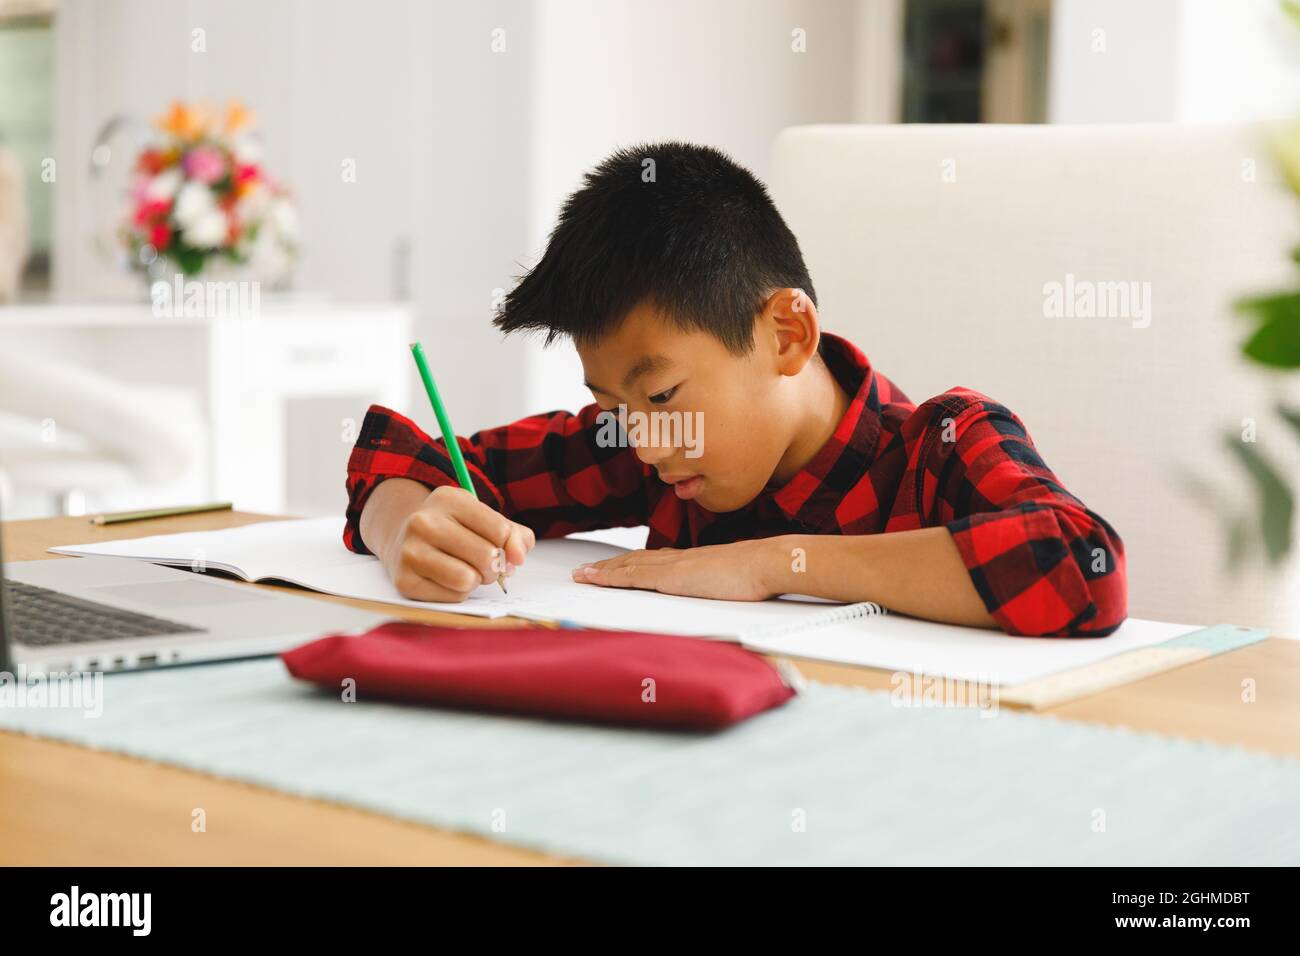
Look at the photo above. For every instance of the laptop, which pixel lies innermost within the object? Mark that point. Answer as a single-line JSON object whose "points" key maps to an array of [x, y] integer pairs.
{"points": [[118, 614]]}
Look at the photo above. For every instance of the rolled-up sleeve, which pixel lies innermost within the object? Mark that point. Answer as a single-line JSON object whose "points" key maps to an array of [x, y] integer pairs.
{"points": [[1042, 562], [551, 472]]}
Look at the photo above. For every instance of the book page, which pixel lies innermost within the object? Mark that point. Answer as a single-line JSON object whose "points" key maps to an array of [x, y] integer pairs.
{"points": [[897, 643], [310, 553]]}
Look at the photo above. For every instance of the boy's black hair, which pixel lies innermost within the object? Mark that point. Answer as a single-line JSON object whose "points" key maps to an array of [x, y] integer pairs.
{"points": [[681, 226]]}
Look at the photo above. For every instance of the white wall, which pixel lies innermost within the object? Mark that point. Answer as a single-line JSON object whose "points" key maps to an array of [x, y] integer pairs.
{"points": [[1238, 61], [462, 152], [1113, 61], [467, 196], [323, 82], [379, 84], [722, 72], [1177, 61]]}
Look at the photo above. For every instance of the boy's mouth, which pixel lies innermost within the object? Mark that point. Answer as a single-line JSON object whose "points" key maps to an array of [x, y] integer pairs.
{"points": [[686, 487]]}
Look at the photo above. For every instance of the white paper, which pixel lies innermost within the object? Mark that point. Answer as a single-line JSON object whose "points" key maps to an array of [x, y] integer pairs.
{"points": [[310, 553], [898, 643]]}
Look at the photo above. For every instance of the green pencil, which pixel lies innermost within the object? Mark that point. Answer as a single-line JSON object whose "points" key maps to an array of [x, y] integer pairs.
{"points": [[448, 434]]}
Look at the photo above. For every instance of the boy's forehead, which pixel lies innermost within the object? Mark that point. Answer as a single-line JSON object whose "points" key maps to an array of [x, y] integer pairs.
{"points": [[638, 346], [640, 338], [643, 330]]}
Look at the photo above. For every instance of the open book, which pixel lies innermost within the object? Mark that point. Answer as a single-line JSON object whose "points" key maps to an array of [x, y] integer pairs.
{"points": [[310, 553]]}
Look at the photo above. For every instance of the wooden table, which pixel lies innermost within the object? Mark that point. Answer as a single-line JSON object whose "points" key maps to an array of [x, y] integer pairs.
{"points": [[64, 804]]}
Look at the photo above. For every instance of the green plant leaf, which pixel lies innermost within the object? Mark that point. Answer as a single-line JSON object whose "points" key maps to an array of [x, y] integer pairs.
{"points": [[1291, 416], [190, 261], [1203, 493], [1239, 541], [1276, 501], [1236, 526], [1284, 140], [1265, 307], [1277, 340]]}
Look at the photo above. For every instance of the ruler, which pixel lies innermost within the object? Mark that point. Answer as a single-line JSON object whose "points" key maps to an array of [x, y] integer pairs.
{"points": [[1129, 666]]}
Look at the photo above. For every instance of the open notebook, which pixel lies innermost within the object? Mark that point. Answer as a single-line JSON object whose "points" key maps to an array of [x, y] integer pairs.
{"points": [[310, 553]]}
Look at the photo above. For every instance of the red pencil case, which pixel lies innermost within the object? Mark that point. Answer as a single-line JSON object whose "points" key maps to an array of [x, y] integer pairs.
{"points": [[608, 676]]}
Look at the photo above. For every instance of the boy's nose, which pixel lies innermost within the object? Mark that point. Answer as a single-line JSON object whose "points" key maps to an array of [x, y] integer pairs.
{"points": [[653, 454]]}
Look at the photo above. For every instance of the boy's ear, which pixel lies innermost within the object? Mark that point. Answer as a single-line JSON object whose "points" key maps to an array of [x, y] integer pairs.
{"points": [[790, 318]]}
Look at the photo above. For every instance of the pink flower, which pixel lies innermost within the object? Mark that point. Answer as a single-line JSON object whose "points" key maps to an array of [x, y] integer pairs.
{"points": [[207, 164]]}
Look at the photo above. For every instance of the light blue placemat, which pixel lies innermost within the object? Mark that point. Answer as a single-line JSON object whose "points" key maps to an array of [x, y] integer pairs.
{"points": [[838, 775]]}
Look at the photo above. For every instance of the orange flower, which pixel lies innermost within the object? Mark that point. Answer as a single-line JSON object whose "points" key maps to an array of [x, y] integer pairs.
{"points": [[184, 122], [238, 117]]}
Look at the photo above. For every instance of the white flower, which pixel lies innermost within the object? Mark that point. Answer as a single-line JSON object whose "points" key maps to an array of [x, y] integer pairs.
{"points": [[208, 231], [193, 203], [285, 218], [253, 204], [164, 185]]}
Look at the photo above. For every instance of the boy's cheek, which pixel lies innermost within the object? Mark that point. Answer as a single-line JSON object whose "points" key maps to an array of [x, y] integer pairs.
{"points": [[721, 495], [737, 469]]}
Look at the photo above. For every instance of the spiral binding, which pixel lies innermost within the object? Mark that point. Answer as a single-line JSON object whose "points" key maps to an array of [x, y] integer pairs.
{"points": [[848, 612]]}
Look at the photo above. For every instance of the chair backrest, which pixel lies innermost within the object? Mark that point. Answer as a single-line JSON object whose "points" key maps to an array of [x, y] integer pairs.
{"points": [[991, 256]]}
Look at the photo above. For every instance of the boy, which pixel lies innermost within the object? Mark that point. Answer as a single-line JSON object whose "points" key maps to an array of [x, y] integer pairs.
{"points": [[685, 293]]}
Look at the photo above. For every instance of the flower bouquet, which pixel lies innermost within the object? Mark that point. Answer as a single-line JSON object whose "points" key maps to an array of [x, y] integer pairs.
{"points": [[199, 196]]}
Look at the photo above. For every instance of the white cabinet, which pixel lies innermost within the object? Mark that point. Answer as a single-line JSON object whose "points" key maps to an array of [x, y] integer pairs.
{"points": [[281, 395]]}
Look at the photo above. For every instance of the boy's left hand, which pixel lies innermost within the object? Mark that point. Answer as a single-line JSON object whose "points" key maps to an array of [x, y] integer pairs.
{"points": [[728, 572]]}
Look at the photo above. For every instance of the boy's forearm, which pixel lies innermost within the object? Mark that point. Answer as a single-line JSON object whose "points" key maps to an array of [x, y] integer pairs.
{"points": [[388, 506], [918, 572]]}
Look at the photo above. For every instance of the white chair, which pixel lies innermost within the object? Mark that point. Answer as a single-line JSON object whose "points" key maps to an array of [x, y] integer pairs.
{"points": [[935, 249]]}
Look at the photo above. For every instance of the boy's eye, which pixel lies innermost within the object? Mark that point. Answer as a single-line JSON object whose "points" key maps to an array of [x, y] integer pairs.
{"points": [[664, 396]]}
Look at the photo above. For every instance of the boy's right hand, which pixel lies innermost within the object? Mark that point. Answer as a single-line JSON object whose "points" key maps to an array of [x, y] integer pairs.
{"points": [[452, 543]]}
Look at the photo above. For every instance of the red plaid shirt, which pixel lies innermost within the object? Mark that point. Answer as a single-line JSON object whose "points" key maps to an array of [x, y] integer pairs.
{"points": [[1042, 562]]}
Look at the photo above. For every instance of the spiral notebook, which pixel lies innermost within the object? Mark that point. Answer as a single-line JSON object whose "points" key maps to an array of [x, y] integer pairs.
{"points": [[309, 553], [742, 621]]}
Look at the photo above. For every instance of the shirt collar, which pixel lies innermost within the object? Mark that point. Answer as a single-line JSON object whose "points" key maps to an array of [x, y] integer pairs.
{"points": [[838, 465]]}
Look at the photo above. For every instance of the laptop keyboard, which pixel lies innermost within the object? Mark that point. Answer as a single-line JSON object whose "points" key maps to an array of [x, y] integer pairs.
{"points": [[40, 617]]}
